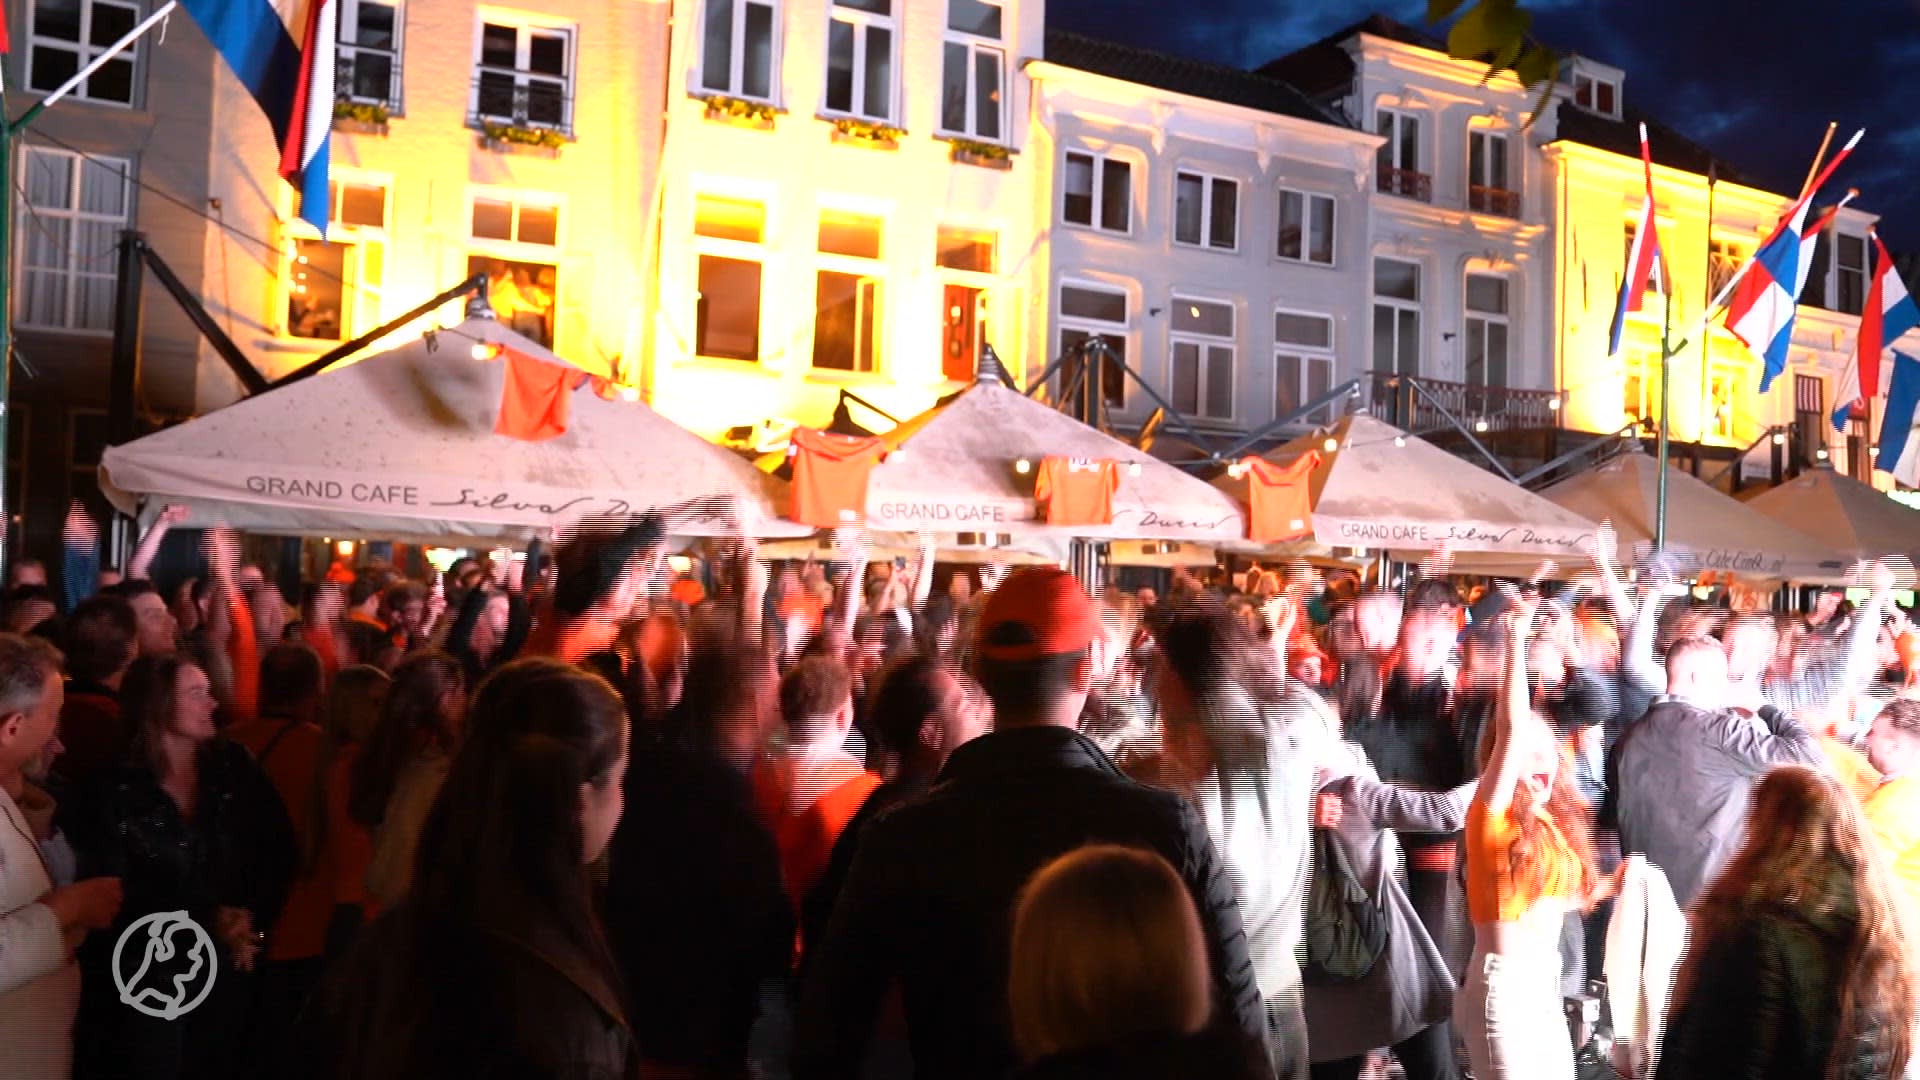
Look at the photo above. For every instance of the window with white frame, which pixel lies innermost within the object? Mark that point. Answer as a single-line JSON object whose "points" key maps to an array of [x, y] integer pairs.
{"points": [[1398, 162], [1490, 186], [860, 48], [1724, 258], [66, 35], [1206, 211], [1487, 330], [727, 238], [1849, 273], [333, 283], [1596, 95], [973, 71], [516, 244], [1396, 316], [847, 324], [1097, 192], [68, 237], [1723, 383], [1201, 367], [739, 54], [367, 67], [1087, 312], [1655, 276], [1306, 227], [523, 74], [1302, 364]]}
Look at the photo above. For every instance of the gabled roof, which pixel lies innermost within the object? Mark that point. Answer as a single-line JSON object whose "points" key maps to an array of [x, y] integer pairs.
{"points": [[1325, 65], [1180, 75]]}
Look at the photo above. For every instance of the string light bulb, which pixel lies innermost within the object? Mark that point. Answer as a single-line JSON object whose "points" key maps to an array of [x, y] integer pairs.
{"points": [[1553, 403], [1779, 438], [1133, 468], [1023, 466], [1399, 440], [1480, 426], [1820, 454], [485, 350], [1237, 470], [1330, 445]]}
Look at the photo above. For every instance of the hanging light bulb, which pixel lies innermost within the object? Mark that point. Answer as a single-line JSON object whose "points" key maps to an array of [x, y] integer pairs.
{"points": [[1133, 468], [1553, 403], [1023, 466], [1779, 438], [1480, 426], [1820, 454], [1330, 445], [1237, 470], [482, 351], [1399, 440]]}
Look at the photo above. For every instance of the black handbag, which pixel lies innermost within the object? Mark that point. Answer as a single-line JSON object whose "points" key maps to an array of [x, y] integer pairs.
{"points": [[1346, 930]]}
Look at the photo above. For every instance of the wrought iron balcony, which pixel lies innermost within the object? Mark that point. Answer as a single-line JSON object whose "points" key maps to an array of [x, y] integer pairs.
{"points": [[1492, 200], [1417, 403], [522, 99], [1407, 183], [367, 77]]}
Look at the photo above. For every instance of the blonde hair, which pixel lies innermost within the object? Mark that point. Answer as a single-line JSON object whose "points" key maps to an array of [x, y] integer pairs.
{"points": [[1106, 946]]}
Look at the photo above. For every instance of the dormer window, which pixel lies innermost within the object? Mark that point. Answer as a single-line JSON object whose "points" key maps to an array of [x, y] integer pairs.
{"points": [[1596, 95]]}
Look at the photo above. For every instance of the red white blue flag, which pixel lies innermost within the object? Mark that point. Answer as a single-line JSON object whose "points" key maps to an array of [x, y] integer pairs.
{"points": [[1763, 306], [1642, 257], [1888, 313], [282, 52]]}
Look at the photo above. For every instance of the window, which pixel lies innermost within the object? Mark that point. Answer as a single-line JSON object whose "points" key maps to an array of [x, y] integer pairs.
{"points": [[963, 324], [334, 289], [1202, 363], [1097, 192], [519, 238], [1396, 316], [524, 76], [1088, 312], [738, 49], [67, 34], [1655, 279], [1306, 227], [1849, 273], [1859, 461], [727, 236], [368, 66], [847, 293], [860, 41], [1486, 359], [1641, 387], [1490, 189], [1723, 383], [1206, 211], [973, 66], [1600, 96], [1398, 160], [1724, 258], [1302, 364], [1810, 418], [69, 238]]}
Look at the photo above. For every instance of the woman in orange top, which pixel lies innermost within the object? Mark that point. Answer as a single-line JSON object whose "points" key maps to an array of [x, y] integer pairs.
{"points": [[1529, 860]]}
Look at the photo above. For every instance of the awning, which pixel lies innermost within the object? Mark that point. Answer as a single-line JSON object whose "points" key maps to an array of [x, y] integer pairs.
{"points": [[1854, 519], [402, 444]]}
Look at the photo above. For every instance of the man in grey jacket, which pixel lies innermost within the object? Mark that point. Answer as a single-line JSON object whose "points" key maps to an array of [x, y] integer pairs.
{"points": [[1681, 778]]}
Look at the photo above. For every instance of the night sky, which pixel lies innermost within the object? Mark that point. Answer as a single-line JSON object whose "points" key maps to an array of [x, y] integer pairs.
{"points": [[1753, 80]]}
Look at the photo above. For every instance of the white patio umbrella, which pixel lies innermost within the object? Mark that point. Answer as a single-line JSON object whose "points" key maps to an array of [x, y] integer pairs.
{"points": [[402, 445], [1854, 519]]}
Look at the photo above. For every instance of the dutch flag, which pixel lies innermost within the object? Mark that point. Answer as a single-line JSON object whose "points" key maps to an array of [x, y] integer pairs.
{"points": [[1899, 445], [282, 51], [1641, 258], [1888, 313]]}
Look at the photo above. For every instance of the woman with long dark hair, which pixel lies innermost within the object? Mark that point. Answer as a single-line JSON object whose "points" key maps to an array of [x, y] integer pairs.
{"points": [[1529, 862], [190, 823], [399, 771], [495, 963], [1798, 963]]}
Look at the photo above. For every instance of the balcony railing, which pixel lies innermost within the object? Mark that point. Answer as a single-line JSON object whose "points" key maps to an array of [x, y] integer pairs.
{"points": [[522, 99], [1493, 200], [367, 77], [1407, 183], [1392, 397]]}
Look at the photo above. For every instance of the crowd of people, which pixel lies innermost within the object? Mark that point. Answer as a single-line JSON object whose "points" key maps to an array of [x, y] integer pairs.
{"points": [[589, 817]]}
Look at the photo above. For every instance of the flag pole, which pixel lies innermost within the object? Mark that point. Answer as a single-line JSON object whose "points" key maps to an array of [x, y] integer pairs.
{"points": [[1706, 362], [1820, 156], [1666, 380], [10, 132]]}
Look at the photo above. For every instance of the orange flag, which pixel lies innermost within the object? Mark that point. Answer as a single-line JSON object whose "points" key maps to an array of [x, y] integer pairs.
{"points": [[533, 399]]}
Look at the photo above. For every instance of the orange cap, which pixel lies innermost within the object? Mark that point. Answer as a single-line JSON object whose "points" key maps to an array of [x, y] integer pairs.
{"points": [[1054, 615], [1907, 647]]}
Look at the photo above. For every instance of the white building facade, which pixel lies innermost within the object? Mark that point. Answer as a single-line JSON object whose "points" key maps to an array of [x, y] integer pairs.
{"points": [[1210, 225]]}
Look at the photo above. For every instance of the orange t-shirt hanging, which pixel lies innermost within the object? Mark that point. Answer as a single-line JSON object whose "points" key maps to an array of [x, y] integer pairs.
{"points": [[533, 399], [1077, 491], [1279, 499], [830, 475]]}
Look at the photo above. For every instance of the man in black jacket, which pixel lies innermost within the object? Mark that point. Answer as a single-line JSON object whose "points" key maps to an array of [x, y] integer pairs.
{"points": [[931, 894]]}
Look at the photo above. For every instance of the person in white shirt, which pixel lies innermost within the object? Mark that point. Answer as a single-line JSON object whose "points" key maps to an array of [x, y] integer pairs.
{"points": [[40, 925]]}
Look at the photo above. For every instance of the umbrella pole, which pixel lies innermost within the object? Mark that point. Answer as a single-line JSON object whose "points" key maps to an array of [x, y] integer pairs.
{"points": [[1666, 382]]}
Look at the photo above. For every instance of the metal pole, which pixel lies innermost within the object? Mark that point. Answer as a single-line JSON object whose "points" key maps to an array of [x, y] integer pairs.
{"points": [[123, 376], [1666, 366]]}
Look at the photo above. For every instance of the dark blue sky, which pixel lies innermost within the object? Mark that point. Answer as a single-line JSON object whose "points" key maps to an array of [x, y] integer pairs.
{"points": [[1754, 80]]}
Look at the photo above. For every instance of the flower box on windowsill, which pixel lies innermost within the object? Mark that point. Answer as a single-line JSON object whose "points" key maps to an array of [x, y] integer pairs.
{"points": [[534, 142], [984, 154], [757, 115], [852, 131], [360, 118]]}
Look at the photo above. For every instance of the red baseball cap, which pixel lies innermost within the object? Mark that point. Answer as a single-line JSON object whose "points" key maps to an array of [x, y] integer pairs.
{"points": [[1049, 603]]}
